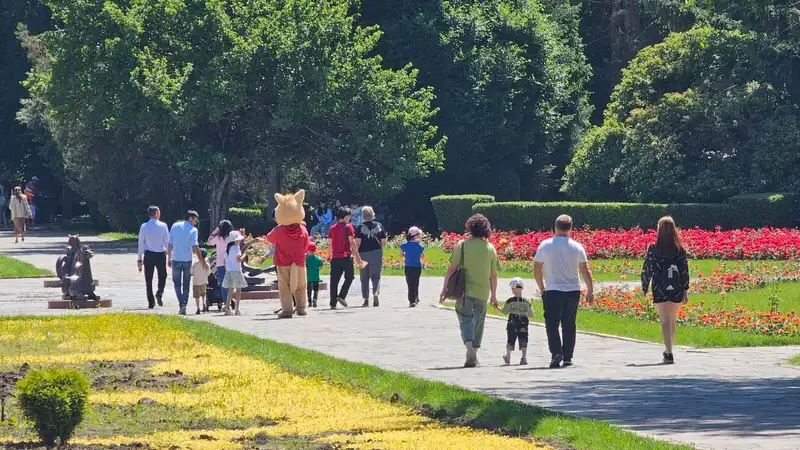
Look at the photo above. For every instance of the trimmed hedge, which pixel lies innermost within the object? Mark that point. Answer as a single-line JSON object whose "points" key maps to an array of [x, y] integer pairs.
{"points": [[776, 210], [452, 211], [253, 220], [538, 216]]}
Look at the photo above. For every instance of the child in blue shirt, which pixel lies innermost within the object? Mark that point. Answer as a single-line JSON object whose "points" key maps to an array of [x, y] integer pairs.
{"points": [[412, 251]]}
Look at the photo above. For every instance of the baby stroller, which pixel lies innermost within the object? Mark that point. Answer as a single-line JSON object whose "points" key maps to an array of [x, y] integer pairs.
{"points": [[214, 288]]}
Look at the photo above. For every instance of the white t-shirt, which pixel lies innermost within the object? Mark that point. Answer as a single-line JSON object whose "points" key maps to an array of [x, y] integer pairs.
{"points": [[231, 264], [561, 256], [199, 274]]}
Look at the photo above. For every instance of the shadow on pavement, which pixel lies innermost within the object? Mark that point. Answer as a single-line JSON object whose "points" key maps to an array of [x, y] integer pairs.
{"points": [[741, 407]]}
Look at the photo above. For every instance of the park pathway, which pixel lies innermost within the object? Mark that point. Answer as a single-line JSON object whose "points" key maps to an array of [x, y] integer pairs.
{"points": [[712, 398]]}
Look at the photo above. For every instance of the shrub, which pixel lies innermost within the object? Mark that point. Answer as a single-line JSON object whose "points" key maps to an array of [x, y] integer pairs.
{"points": [[452, 211], [253, 220], [55, 400], [537, 216], [775, 210]]}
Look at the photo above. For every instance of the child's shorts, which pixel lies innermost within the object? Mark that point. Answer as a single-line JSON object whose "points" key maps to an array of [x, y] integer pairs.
{"points": [[520, 335], [199, 290]]}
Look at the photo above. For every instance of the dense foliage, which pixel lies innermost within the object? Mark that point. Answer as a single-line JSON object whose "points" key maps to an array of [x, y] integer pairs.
{"points": [[509, 77], [706, 114], [201, 104], [181, 92]]}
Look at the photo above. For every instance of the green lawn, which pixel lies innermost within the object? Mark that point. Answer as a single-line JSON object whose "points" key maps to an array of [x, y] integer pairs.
{"points": [[795, 361], [757, 299], [14, 268], [443, 399], [121, 237], [698, 337]]}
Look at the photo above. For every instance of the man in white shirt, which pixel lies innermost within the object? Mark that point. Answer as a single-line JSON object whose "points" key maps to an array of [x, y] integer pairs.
{"points": [[152, 254], [564, 262]]}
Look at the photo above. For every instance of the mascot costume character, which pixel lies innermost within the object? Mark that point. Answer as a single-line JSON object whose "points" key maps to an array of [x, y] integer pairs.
{"points": [[291, 240]]}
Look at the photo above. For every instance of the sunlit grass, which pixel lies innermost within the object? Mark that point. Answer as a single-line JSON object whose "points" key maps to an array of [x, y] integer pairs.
{"points": [[120, 237], [14, 268], [261, 388]]}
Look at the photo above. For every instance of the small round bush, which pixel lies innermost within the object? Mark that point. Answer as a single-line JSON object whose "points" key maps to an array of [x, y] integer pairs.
{"points": [[54, 399]]}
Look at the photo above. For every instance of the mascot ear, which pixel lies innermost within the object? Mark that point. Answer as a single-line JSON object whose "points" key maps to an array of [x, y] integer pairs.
{"points": [[300, 196], [278, 197]]}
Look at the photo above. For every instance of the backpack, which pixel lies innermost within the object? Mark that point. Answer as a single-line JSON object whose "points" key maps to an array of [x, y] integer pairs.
{"points": [[668, 276]]}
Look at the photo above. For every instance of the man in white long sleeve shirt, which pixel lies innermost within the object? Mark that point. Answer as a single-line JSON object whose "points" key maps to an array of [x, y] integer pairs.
{"points": [[152, 254]]}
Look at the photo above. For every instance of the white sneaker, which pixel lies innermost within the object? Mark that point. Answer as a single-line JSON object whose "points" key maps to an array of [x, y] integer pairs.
{"points": [[227, 310], [238, 313]]}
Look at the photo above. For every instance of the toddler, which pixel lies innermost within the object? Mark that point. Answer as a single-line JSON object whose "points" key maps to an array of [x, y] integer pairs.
{"points": [[234, 280], [412, 252], [519, 310], [313, 265], [200, 281]]}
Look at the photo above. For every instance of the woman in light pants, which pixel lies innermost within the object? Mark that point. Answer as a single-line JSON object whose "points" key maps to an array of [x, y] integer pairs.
{"points": [[370, 240], [478, 258]]}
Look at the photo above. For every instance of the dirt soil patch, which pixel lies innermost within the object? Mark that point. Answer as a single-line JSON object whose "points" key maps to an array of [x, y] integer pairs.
{"points": [[263, 441], [129, 375], [39, 446], [447, 417]]}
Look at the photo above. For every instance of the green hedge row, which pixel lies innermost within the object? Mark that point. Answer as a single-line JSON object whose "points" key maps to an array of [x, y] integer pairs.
{"points": [[541, 216], [253, 220], [774, 210], [755, 210], [452, 211]]}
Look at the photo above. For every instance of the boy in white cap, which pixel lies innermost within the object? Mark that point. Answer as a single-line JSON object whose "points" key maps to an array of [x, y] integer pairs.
{"points": [[519, 311]]}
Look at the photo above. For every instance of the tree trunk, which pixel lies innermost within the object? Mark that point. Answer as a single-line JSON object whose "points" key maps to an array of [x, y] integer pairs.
{"points": [[67, 198], [274, 187], [220, 196]]}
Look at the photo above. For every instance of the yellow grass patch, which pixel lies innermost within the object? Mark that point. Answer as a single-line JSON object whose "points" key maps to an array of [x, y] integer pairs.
{"points": [[239, 387]]}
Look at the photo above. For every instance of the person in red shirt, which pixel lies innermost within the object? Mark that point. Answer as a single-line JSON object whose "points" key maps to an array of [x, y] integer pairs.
{"points": [[342, 244]]}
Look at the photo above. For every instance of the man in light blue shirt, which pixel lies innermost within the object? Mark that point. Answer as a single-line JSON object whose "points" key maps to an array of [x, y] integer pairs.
{"points": [[152, 254], [182, 243]]}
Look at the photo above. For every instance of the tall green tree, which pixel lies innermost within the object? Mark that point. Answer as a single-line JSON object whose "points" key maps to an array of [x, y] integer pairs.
{"points": [[509, 78], [152, 100], [21, 155], [707, 114]]}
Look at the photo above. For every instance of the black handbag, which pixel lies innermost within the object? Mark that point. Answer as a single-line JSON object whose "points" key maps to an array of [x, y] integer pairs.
{"points": [[457, 283]]}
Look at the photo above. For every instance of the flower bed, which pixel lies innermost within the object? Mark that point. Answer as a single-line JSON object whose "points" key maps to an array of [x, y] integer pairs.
{"points": [[746, 277], [763, 243], [628, 303]]}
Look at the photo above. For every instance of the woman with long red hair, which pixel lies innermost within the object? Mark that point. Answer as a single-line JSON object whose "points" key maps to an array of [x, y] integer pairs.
{"points": [[666, 266]]}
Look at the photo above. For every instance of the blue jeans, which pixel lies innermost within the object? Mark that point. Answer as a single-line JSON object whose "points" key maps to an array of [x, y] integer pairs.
{"points": [[220, 277], [182, 278], [471, 318]]}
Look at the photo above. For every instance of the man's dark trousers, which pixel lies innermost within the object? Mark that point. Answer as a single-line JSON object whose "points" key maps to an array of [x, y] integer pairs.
{"points": [[561, 308], [155, 261], [339, 267]]}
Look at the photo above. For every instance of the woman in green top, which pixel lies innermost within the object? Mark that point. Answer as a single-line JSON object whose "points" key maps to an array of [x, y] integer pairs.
{"points": [[480, 268]]}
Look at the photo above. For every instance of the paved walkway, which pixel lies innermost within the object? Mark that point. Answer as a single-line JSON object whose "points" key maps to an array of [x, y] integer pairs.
{"points": [[712, 398]]}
